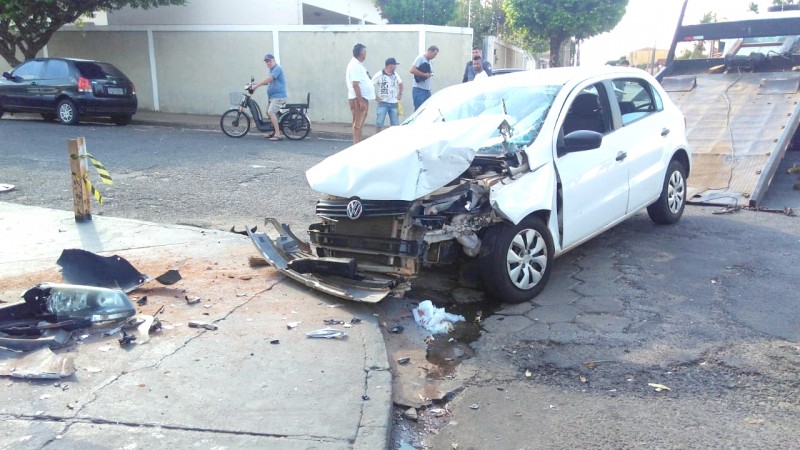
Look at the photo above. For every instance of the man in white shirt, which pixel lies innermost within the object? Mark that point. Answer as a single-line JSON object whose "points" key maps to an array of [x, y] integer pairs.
{"points": [[389, 90], [359, 90], [477, 66]]}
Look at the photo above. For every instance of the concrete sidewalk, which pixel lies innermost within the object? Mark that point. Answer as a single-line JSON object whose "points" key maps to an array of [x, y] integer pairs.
{"points": [[252, 383], [329, 130]]}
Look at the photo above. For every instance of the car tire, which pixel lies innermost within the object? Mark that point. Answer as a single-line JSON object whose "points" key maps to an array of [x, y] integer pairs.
{"points": [[669, 207], [2, 111], [67, 113], [49, 117], [516, 260], [122, 120]]}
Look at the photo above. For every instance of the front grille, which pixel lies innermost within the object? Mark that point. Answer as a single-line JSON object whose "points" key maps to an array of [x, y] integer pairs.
{"points": [[371, 208]]}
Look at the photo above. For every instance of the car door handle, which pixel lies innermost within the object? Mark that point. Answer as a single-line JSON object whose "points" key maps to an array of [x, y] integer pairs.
{"points": [[621, 156], [664, 131]]}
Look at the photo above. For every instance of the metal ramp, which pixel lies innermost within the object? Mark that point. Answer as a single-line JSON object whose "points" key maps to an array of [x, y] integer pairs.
{"points": [[739, 126]]}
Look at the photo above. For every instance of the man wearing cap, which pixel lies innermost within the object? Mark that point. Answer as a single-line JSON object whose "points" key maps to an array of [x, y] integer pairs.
{"points": [[276, 93], [359, 90], [389, 90]]}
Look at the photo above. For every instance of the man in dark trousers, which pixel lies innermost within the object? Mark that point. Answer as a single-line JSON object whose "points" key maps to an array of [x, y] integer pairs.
{"points": [[469, 71]]}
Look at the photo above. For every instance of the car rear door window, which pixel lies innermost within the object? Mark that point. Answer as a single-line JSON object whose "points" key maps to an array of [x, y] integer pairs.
{"points": [[98, 71], [636, 98], [589, 111], [30, 70], [56, 69]]}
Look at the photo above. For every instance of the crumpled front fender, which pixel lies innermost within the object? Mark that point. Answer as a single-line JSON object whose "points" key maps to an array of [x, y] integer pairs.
{"points": [[532, 191]]}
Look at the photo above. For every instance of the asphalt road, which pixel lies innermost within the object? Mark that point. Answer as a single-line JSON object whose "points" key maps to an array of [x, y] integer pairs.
{"points": [[166, 175], [707, 307]]}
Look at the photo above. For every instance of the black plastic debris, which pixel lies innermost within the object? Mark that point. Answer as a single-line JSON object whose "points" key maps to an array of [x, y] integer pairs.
{"points": [[141, 301], [169, 277], [355, 320], [275, 342], [343, 267], [333, 322], [88, 269], [126, 338], [114, 272], [397, 329], [404, 360], [244, 232]]}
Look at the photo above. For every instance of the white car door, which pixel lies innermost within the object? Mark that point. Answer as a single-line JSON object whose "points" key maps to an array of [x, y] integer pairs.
{"points": [[594, 182], [643, 135]]}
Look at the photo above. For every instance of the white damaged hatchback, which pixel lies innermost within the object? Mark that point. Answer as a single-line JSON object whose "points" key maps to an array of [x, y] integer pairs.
{"points": [[509, 172]]}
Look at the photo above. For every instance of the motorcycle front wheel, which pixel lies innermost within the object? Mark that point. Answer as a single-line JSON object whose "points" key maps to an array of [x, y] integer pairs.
{"points": [[295, 125], [235, 123]]}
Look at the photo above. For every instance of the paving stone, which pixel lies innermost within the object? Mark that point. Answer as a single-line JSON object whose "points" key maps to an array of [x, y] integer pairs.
{"points": [[515, 309], [556, 297], [553, 313], [604, 323], [506, 324], [600, 304], [567, 333]]}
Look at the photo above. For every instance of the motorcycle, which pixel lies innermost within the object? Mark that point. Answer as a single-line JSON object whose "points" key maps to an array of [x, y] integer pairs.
{"points": [[292, 119]]}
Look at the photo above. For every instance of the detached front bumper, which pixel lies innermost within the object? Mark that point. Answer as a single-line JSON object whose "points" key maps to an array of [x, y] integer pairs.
{"points": [[335, 276]]}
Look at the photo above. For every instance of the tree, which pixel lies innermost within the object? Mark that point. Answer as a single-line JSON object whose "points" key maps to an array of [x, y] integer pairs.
{"points": [[431, 12], [27, 25], [486, 18], [558, 20]]}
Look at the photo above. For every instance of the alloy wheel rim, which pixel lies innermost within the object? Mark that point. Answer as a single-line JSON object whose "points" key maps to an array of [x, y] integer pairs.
{"points": [[65, 113], [526, 260], [675, 192]]}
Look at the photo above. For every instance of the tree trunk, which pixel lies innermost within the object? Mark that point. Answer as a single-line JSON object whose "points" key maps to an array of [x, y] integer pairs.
{"points": [[555, 51]]}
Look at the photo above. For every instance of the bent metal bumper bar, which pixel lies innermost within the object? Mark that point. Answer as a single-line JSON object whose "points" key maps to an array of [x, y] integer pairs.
{"points": [[294, 259]]}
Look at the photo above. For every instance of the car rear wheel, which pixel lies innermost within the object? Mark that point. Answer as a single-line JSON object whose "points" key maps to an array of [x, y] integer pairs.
{"points": [[67, 113], [669, 207], [124, 119], [516, 260]]}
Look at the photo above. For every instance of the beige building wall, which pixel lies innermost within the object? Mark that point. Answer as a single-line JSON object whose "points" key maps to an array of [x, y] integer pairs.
{"points": [[192, 69], [644, 56]]}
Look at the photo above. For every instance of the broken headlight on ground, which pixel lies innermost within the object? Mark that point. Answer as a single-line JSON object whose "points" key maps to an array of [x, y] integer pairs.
{"points": [[65, 306]]}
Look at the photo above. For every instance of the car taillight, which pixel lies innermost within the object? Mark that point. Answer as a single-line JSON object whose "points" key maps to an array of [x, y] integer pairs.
{"points": [[133, 89], [84, 85]]}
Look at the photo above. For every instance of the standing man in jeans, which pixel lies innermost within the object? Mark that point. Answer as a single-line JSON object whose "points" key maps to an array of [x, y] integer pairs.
{"points": [[422, 69], [276, 93], [359, 90], [389, 88]]}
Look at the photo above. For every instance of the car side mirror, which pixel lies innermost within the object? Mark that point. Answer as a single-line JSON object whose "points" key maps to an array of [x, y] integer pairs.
{"points": [[7, 76], [582, 140]]}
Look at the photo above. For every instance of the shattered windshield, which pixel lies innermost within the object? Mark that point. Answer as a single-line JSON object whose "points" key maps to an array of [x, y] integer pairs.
{"points": [[527, 106]]}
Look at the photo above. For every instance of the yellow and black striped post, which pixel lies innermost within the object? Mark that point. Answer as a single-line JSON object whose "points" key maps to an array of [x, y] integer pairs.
{"points": [[82, 188]]}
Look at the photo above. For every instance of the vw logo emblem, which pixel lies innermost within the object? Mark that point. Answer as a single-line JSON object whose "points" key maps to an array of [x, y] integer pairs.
{"points": [[354, 209]]}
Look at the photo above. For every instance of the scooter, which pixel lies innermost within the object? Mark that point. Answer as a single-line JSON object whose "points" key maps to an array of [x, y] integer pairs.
{"points": [[292, 119]]}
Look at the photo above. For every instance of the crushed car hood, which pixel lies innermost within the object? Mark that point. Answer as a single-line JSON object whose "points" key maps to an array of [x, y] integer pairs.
{"points": [[405, 162]]}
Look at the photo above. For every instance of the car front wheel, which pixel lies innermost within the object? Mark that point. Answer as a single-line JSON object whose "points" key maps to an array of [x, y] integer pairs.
{"points": [[67, 113], [669, 206], [516, 260]]}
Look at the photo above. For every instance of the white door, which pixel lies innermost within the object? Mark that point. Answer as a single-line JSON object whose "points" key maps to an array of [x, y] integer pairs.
{"points": [[594, 182]]}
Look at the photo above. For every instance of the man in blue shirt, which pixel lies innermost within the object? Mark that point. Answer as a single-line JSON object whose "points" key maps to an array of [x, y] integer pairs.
{"points": [[469, 70], [276, 93]]}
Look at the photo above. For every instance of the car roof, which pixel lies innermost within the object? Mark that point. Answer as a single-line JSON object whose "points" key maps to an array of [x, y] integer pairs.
{"points": [[564, 75]]}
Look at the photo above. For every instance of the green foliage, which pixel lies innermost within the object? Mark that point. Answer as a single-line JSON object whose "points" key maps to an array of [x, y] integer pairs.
{"points": [[27, 25], [555, 21], [486, 18], [429, 12]]}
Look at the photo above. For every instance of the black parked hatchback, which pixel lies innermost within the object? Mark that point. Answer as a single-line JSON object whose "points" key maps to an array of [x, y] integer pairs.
{"points": [[68, 89]]}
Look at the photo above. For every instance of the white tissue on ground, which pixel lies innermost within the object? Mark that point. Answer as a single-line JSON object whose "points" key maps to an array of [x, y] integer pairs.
{"points": [[436, 320]]}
